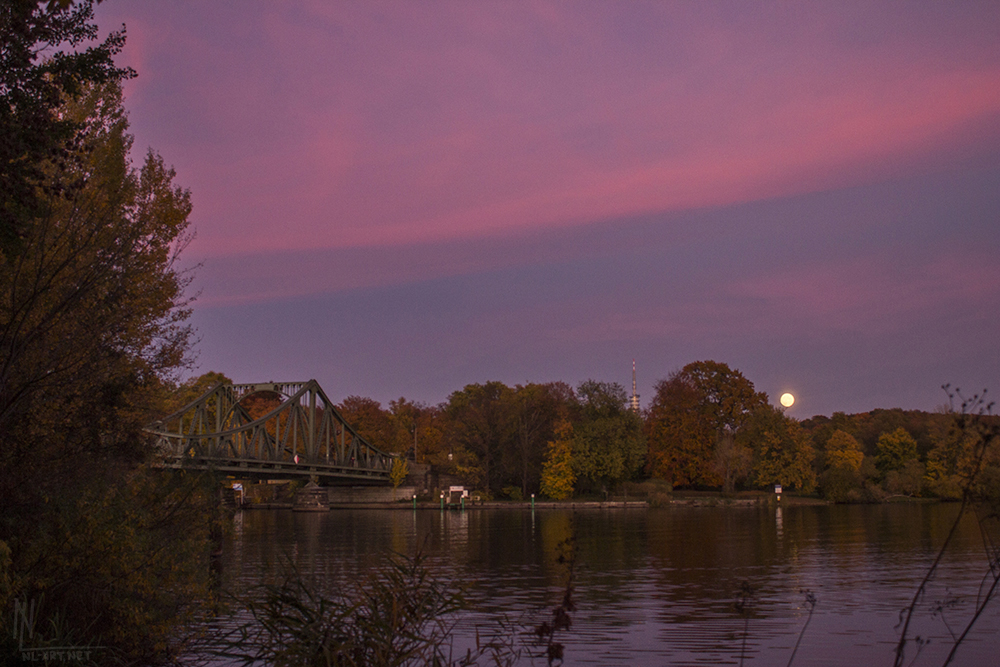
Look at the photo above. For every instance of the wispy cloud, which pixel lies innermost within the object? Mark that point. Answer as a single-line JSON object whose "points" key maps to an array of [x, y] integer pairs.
{"points": [[446, 192], [340, 126]]}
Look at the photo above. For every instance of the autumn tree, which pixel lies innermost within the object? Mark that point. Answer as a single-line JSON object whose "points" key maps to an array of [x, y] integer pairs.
{"points": [[680, 439], [405, 416], [692, 411], [192, 389], [821, 428], [733, 460], [178, 397], [843, 452], [609, 446], [782, 451], [558, 475], [260, 403], [894, 450], [92, 328], [536, 410], [431, 442], [950, 463], [897, 462], [418, 429], [93, 308], [371, 422], [397, 475], [843, 466], [480, 426]]}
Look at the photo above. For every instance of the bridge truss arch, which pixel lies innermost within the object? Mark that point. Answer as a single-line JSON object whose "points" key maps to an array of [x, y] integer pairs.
{"points": [[305, 436]]}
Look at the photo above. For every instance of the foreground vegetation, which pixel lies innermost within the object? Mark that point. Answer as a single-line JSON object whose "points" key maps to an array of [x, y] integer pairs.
{"points": [[96, 549], [398, 615]]}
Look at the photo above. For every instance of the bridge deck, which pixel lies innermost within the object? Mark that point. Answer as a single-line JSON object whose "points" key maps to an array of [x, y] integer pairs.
{"points": [[245, 468]]}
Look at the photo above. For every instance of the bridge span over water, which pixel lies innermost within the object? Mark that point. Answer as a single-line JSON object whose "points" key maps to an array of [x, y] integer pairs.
{"points": [[303, 437]]}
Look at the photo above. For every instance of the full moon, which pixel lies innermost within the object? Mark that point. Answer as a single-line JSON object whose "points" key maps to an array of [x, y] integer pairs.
{"points": [[787, 400]]}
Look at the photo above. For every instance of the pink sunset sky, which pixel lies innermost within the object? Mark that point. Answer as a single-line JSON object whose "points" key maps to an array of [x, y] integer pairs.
{"points": [[402, 198]]}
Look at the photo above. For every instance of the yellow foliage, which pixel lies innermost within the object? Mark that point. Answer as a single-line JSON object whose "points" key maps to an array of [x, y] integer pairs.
{"points": [[558, 476], [843, 452], [400, 469]]}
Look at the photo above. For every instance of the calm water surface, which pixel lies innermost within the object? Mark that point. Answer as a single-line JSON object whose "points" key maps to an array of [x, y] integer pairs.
{"points": [[657, 586]]}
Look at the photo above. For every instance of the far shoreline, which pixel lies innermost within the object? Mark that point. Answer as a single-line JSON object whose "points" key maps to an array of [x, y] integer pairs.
{"points": [[685, 501], [682, 498]]}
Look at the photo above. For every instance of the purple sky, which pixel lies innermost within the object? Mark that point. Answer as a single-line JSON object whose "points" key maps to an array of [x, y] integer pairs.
{"points": [[399, 199]]}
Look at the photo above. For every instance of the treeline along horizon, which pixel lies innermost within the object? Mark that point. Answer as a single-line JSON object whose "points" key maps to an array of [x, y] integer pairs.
{"points": [[706, 428]]}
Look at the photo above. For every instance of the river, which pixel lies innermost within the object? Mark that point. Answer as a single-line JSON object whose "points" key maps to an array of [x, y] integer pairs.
{"points": [[658, 586]]}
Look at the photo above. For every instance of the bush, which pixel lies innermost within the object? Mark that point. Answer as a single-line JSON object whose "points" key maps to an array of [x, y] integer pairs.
{"points": [[513, 492], [657, 492], [908, 481], [121, 568], [398, 616], [838, 484]]}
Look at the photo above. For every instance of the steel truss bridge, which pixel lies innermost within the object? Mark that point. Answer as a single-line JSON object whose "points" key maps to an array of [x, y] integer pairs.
{"points": [[303, 437]]}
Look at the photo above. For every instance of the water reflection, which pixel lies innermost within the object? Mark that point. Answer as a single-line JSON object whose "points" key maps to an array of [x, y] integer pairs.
{"points": [[657, 586]]}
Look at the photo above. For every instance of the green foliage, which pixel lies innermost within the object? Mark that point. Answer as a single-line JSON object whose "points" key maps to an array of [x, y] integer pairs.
{"points": [[558, 476], [192, 389], [609, 446], [94, 305], [842, 485], [189, 392]]}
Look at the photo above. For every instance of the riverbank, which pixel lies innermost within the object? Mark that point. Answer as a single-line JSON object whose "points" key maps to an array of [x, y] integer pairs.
{"points": [[695, 500]]}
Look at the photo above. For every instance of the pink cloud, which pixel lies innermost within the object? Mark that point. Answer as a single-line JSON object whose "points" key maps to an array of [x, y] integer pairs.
{"points": [[352, 125], [870, 294]]}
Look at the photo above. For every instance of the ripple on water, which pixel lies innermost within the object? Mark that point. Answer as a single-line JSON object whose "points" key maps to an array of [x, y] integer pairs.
{"points": [[656, 587]]}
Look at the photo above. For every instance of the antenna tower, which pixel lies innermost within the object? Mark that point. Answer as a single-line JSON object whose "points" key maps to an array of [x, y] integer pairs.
{"points": [[634, 401]]}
